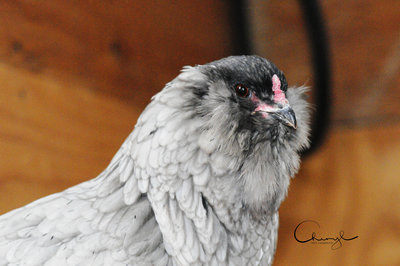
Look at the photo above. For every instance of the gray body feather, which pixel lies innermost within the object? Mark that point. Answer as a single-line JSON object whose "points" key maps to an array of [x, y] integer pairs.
{"points": [[198, 182]]}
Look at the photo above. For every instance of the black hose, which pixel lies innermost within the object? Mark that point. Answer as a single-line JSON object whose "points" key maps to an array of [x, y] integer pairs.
{"points": [[319, 47], [241, 37]]}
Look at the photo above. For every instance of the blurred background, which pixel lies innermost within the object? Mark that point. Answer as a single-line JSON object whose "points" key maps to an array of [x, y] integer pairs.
{"points": [[75, 75]]}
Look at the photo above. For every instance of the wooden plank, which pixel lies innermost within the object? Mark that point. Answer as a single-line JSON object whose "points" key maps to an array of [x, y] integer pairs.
{"points": [[351, 184], [54, 134], [125, 48], [364, 44]]}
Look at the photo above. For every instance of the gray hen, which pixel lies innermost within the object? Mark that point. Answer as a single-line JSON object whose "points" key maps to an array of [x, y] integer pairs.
{"points": [[198, 182]]}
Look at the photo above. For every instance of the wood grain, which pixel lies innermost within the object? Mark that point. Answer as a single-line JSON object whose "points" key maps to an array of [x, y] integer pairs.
{"points": [[128, 49], [54, 134], [351, 184], [364, 50]]}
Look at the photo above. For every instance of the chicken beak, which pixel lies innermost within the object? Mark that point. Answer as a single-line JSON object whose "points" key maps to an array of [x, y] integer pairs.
{"points": [[286, 116], [282, 112]]}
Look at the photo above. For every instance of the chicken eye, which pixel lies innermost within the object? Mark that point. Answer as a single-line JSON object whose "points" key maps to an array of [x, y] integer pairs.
{"points": [[242, 91]]}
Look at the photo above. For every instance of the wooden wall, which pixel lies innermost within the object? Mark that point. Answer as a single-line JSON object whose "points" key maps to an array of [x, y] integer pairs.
{"points": [[365, 50], [75, 75], [352, 185], [127, 49]]}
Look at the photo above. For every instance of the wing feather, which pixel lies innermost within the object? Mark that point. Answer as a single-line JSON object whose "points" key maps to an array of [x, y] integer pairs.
{"points": [[145, 209], [77, 226]]}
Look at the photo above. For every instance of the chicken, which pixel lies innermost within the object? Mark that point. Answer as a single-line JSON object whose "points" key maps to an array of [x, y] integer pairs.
{"points": [[199, 181]]}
